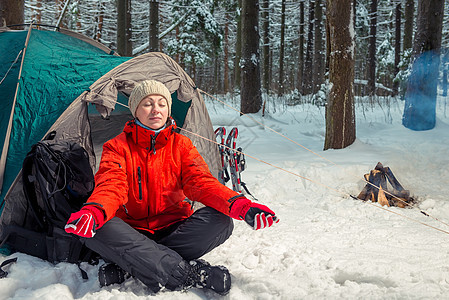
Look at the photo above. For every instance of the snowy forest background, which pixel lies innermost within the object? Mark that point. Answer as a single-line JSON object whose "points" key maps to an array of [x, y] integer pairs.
{"points": [[203, 36], [326, 245]]}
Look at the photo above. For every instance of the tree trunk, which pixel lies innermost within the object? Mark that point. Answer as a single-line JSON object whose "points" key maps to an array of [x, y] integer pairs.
{"points": [[78, 20], [238, 48], [124, 44], [318, 56], [397, 48], [308, 65], [154, 26], [408, 24], [12, 12], [177, 55], [371, 87], [193, 72], [340, 116], [59, 5], [328, 44], [354, 11], [266, 44], [99, 20], [37, 12], [251, 97], [161, 41], [420, 98], [444, 82], [226, 55], [281, 51], [216, 83], [301, 48], [128, 32]]}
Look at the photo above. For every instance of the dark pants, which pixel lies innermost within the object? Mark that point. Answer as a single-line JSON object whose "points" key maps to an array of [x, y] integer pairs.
{"points": [[153, 259]]}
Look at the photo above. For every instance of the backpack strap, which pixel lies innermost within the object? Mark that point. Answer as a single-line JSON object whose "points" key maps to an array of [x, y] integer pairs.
{"points": [[29, 189], [3, 274], [24, 240], [50, 136], [83, 273]]}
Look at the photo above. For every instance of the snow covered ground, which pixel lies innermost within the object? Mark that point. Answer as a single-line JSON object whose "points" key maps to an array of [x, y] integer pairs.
{"points": [[327, 245]]}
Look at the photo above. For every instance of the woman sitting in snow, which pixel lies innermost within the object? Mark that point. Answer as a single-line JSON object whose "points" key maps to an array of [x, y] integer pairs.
{"points": [[137, 218]]}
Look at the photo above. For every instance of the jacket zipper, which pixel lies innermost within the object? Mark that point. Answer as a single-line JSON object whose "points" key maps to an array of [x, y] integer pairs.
{"points": [[153, 143], [139, 179]]}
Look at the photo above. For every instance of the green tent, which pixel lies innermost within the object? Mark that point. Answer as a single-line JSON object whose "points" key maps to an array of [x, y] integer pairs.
{"points": [[57, 68], [62, 73]]}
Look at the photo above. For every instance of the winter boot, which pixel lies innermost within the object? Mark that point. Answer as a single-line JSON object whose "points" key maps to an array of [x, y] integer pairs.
{"points": [[199, 273], [203, 275], [110, 273]]}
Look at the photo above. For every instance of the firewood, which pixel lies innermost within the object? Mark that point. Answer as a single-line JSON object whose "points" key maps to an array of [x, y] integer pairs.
{"points": [[377, 188], [381, 198], [379, 167], [375, 179], [400, 202], [402, 194], [365, 191], [373, 198], [392, 179]]}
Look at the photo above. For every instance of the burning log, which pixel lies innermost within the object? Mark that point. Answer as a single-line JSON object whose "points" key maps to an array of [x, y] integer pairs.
{"points": [[377, 188]]}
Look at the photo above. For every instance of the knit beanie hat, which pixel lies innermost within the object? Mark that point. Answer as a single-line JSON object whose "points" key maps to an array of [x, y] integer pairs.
{"points": [[146, 88]]}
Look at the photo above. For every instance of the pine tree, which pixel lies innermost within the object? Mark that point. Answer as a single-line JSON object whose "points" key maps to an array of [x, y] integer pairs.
{"points": [[124, 44], [251, 96], [11, 12], [371, 87], [266, 44], [340, 116], [154, 26], [282, 50]]}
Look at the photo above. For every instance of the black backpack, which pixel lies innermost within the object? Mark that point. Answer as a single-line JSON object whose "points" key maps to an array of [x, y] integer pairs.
{"points": [[57, 180]]}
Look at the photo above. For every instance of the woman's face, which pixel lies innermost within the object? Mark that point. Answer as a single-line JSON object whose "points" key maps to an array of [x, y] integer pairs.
{"points": [[152, 111]]}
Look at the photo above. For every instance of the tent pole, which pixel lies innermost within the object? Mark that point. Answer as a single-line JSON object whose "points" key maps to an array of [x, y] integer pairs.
{"points": [[58, 23], [11, 116]]}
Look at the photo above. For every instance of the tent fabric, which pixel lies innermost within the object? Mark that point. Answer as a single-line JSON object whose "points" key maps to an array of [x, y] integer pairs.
{"points": [[61, 76], [56, 70], [11, 45]]}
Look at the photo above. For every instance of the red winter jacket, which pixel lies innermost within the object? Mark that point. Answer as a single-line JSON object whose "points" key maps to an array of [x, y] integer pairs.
{"points": [[144, 180]]}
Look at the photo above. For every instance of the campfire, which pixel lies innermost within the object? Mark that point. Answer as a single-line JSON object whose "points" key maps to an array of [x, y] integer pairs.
{"points": [[383, 187]]}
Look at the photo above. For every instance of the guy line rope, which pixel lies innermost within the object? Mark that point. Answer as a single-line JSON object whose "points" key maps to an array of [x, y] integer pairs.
{"points": [[305, 178], [5, 149], [333, 163], [14, 62]]}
